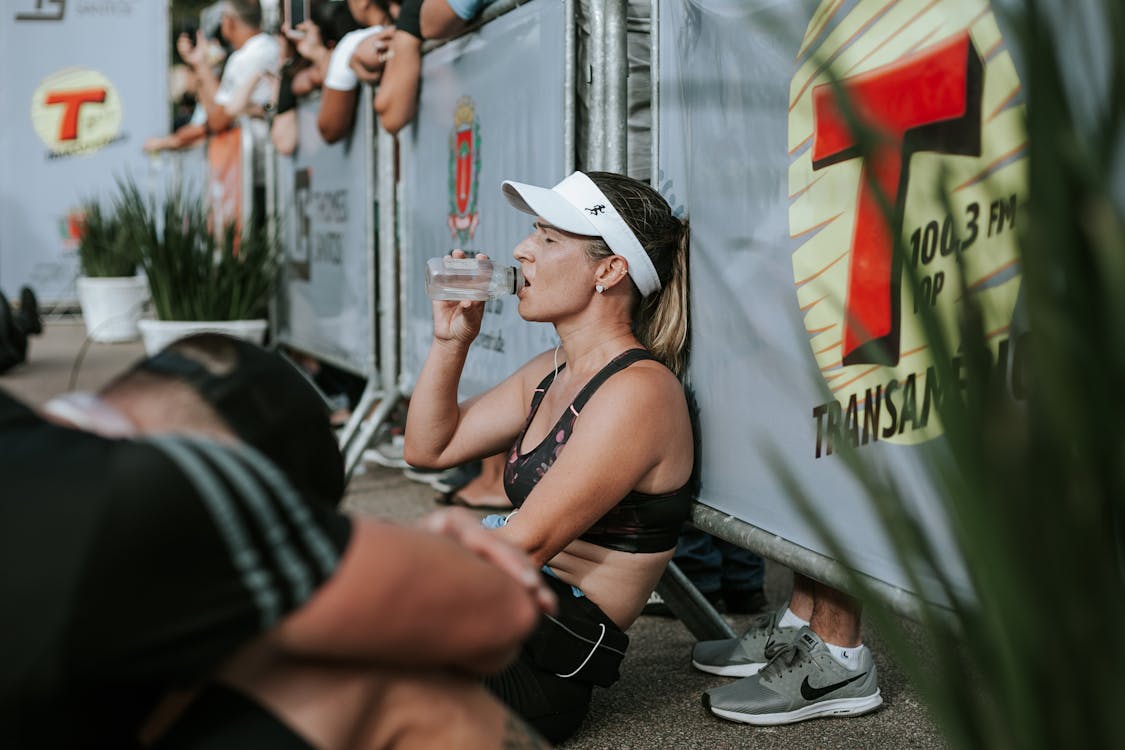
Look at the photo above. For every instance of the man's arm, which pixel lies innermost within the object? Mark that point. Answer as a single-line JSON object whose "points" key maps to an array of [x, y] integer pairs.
{"points": [[182, 137], [267, 566], [218, 119], [407, 597]]}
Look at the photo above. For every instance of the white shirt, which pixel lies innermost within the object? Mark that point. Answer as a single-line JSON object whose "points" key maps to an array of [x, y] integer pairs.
{"points": [[245, 66], [340, 76]]}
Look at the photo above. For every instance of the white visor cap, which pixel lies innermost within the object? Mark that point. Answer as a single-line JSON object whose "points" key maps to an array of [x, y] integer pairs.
{"points": [[578, 206]]}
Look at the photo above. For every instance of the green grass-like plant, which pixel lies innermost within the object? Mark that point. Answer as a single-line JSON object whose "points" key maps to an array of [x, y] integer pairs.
{"points": [[195, 273], [107, 246]]}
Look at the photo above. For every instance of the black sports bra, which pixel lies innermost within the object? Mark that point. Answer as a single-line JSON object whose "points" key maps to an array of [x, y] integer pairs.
{"points": [[640, 522]]}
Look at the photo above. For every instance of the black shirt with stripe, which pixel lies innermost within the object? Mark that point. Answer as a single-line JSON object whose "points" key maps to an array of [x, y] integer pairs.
{"points": [[131, 567]]}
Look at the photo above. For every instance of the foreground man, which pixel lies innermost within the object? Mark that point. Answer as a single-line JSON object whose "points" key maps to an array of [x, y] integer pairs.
{"points": [[176, 574]]}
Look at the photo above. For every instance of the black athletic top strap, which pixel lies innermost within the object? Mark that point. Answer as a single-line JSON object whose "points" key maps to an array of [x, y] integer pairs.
{"points": [[639, 522]]}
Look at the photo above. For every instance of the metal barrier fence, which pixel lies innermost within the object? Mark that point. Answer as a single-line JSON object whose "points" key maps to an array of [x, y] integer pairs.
{"points": [[325, 208]]}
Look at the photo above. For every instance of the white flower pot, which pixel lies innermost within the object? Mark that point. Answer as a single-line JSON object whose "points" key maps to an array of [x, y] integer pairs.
{"points": [[157, 334], [112, 306]]}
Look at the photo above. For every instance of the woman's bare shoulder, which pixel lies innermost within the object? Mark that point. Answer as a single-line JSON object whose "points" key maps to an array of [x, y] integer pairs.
{"points": [[645, 383]]}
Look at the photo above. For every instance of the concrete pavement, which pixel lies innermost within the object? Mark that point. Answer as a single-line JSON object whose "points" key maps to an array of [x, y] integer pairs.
{"points": [[655, 705]]}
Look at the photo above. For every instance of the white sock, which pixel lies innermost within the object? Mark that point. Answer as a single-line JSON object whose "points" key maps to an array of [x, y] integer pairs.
{"points": [[790, 620], [846, 655]]}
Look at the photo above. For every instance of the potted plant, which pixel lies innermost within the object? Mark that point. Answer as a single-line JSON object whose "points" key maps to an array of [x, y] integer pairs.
{"points": [[203, 278], [111, 294]]}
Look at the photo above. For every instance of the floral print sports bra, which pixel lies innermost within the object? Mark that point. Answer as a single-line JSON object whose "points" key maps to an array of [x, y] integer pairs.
{"points": [[639, 522]]}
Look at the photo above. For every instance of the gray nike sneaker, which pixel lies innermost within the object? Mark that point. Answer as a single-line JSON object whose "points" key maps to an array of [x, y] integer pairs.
{"points": [[744, 656], [801, 682]]}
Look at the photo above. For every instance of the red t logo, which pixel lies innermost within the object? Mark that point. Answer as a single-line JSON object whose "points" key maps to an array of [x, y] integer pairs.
{"points": [[74, 99], [926, 102]]}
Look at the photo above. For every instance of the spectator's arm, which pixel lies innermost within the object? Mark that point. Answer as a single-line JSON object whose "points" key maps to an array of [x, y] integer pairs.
{"points": [[283, 132], [183, 137], [396, 99], [438, 20], [240, 99], [307, 80], [218, 119], [337, 110]]}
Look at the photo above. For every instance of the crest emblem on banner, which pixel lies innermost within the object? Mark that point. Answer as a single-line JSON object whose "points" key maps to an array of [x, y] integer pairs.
{"points": [[941, 90], [464, 171]]}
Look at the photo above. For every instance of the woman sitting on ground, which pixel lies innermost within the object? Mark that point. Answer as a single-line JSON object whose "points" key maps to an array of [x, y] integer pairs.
{"points": [[597, 431]]}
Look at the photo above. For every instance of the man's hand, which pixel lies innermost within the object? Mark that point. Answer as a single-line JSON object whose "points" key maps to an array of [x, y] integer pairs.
{"points": [[465, 529]]}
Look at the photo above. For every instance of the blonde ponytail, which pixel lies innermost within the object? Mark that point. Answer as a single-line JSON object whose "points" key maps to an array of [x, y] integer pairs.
{"points": [[662, 322]]}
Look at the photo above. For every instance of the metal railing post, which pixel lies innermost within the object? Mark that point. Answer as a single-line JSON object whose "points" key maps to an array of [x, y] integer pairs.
{"points": [[615, 91]]}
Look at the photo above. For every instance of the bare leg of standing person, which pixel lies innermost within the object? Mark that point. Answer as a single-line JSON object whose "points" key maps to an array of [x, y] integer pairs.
{"points": [[835, 616]]}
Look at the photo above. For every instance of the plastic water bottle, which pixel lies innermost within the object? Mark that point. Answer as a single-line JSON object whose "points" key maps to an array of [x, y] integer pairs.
{"points": [[449, 278]]}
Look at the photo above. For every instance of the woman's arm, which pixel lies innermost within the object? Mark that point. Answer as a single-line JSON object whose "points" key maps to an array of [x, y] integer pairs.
{"points": [[440, 432]]}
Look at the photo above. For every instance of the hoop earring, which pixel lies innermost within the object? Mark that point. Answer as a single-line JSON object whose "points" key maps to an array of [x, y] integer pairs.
{"points": [[599, 288]]}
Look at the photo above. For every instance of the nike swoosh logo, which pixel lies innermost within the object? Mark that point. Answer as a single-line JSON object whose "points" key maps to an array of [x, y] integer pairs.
{"points": [[810, 693]]}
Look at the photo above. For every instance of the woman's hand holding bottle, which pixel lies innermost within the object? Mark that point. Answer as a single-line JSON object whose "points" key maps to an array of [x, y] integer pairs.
{"points": [[458, 321]]}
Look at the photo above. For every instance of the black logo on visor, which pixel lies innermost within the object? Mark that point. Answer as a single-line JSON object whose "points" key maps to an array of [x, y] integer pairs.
{"points": [[596, 210]]}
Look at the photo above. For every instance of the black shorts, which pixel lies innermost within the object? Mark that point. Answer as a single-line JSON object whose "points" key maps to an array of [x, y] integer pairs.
{"points": [[533, 686], [224, 719]]}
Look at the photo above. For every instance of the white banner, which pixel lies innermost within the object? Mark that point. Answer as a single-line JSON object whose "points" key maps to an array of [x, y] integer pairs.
{"points": [[805, 331], [326, 221], [491, 108], [84, 83]]}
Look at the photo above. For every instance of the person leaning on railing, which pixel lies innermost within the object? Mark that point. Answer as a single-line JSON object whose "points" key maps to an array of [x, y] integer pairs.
{"points": [[597, 432], [341, 80], [396, 101], [306, 52], [242, 89]]}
